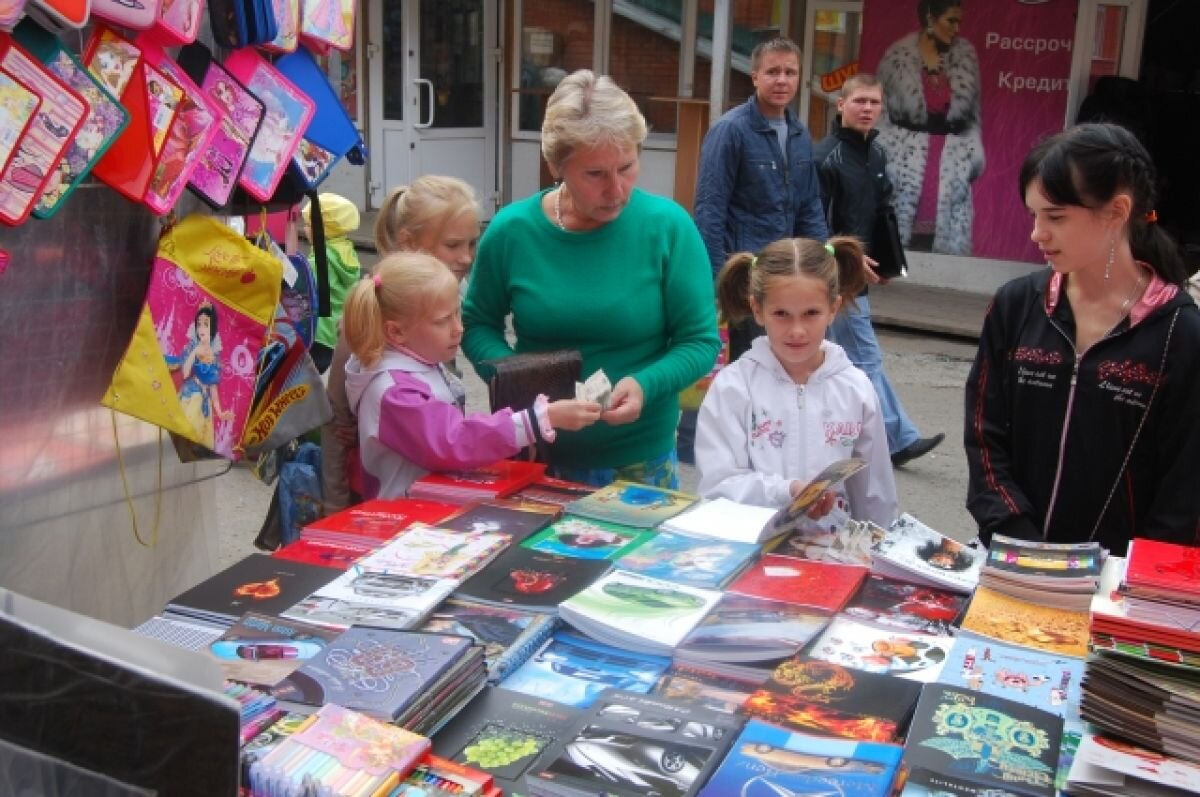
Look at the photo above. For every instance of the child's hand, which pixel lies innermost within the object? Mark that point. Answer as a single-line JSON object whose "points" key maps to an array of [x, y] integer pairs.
{"points": [[625, 403], [572, 414], [821, 506]]}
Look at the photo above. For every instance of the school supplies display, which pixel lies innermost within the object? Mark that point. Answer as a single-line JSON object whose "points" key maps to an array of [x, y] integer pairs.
{"points": [[497, 480], [747, 630], [816, 585], [1055, 574], [533, 580], [698, 561], [814, 696], [366, 597], [558, 492], [912, 551], [888, 603], [584, 538], [262, 649], [998, 616], [517, 522], [190, 366], [103, 122], [375, 521], [632, 504], [34, 156], [509, 636], [719, 687], [1033, 677], [917, 657]]}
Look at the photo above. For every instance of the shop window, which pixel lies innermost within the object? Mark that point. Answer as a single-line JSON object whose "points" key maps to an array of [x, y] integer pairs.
{"points": [[836, 39], [556, 39]]}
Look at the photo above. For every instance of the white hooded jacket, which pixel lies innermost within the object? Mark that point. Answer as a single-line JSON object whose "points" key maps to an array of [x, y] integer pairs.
{"points": [[758, 431]]}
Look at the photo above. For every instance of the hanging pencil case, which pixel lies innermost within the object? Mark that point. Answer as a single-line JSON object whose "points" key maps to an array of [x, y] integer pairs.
{"points": [[103, 122], [44, 141], [287, 20], [132, 14], [18, 106], [149, 97], [60, 15], [178, 22], [240, 23], [216, 174], [11, 12], [196, 123], [332, 134], [288, 114], [327, 23]]}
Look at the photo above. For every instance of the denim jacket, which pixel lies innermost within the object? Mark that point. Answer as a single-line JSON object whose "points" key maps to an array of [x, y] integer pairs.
{"points": [[747, 193]]}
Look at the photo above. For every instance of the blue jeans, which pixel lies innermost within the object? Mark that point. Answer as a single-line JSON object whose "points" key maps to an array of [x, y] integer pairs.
{"points": [[852, 331]]}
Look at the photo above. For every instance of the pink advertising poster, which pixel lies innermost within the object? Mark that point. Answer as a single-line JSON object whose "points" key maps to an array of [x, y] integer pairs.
{"points": [[969, 89]]}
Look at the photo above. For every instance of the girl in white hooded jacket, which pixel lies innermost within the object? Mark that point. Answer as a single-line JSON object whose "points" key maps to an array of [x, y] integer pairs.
{"points": [[793, 403]]}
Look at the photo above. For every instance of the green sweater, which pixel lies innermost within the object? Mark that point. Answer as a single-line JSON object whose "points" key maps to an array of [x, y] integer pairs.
{"points": [[635, 297]]}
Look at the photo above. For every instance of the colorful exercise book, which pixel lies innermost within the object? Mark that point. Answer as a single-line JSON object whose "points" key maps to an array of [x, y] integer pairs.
{"points": [[492, 517], [260, 649], [584, 538], [371, 597], [631, 745], [912, 551], [637, 612], [1107, 765], [533, 580], [631, 504], [814, 696], [257, 583], [1156, 705], [430, 552], [915, 656], [961, 741], [505, 733], [723, 519], [816, 500], [1053, 574], [1162, 570], [1128, 617], [889, 603], [336, 747], [1141, 650], [509, 636], [818, 585], [999, 616], [766, 760], [1033, 677], [497, 480], [572, 669], [557, 492], [717, 686], [376, 521], [684, 559], [744, 629], [377, 671]]}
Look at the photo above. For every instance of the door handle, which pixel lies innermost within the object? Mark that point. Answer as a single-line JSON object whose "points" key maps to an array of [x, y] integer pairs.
{"points": [[429, 86]]}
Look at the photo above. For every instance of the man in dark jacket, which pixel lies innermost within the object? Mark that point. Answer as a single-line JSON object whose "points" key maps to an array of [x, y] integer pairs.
{"points": [[757, 181], [854, 188]]}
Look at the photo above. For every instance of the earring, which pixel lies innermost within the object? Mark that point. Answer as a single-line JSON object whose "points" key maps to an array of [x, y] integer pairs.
{"points": [[1112, 256]]}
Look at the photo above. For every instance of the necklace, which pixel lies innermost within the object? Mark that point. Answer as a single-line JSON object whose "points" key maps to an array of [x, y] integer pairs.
{"points": [[558, 208], [1137, 286]]}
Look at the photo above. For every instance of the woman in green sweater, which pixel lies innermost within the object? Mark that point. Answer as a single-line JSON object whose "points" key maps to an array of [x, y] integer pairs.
{"points": [[598, 265]]}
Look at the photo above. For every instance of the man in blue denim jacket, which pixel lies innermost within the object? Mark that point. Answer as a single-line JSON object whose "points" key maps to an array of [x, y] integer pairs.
{"points": [[758, 182]]}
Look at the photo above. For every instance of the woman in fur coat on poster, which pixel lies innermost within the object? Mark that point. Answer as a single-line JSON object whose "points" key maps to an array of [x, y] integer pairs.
{"points": [[930, 130]]}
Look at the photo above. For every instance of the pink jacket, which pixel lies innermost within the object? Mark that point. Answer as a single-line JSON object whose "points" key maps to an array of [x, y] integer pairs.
{"points": [[411, 422]]}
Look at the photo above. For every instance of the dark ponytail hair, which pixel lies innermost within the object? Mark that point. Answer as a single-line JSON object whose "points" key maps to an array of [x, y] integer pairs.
{"points": [[745, 275], [1089, 164]]}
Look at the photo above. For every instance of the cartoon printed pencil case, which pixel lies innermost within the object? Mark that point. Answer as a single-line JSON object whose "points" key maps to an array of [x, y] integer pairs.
{"points": [[239, 23], [60, 15], [104, 121], [44, 141], [287, 20], [332, 134], [133, 14], [196, 123], [216, 174], [18, 106], [288, 112], [11, 12], [178, 22], [326, 24]]}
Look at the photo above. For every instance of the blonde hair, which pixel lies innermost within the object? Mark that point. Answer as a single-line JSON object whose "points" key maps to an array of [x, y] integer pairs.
{"points": [[429, 202], [746, 275], [586, 111], [403, 287]]}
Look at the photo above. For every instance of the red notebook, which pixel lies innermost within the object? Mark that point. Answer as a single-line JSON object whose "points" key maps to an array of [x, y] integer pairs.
{"points": [[498, 480], [327, 553], [1163, 568], [376, 521], [823, 586]]}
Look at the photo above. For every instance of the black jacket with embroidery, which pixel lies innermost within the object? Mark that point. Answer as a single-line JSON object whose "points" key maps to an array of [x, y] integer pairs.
{"points": [[1046, 434]]}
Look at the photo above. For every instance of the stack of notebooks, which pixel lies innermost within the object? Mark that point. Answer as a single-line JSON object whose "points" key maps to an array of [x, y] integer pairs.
{"points": [[1064, 575], [340, 539], [631, 504], [723, 519], [498, 480]]}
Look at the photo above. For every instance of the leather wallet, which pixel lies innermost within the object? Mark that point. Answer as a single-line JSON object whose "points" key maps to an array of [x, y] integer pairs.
{"points": [[517, 380]]}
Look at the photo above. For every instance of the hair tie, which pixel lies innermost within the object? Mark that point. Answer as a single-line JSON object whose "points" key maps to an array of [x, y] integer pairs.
{"points": [[829, 248], [1152, 217], [378, 280]]}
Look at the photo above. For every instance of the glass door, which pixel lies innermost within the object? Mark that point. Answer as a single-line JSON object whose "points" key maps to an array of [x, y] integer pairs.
{"points": [[832, 37], [434, 103]]}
